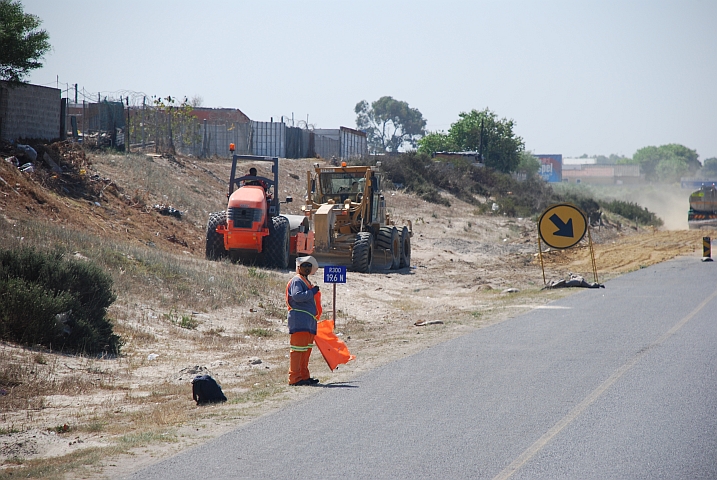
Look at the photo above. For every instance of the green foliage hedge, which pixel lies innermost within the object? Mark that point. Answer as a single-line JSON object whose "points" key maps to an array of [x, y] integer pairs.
{"points": [[415, 172], [418, 173], [633, 211], [52, 301]]}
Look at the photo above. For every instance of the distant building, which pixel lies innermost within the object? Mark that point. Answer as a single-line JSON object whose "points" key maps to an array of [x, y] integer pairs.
{"points": [[220, 115], [603, 174], [579, 161], [551, 167]]}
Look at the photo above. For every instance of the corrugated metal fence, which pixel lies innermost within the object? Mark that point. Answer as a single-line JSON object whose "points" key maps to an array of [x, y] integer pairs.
{"points": [[275, 139], [214, 140], [163, 131], [352, 143]]}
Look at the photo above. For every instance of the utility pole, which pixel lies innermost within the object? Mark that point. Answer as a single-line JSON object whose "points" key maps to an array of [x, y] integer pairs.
{"points": [[141, 123], [126, 137]]}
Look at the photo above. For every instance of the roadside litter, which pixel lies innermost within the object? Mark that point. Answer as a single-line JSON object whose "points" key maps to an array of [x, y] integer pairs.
{"points": [[189, 373], [168, 210], [572, 281], [206, 390], [428, 322], [29, 152]]}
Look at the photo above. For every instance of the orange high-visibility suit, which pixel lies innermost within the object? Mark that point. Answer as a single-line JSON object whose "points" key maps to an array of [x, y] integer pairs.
{"points": [[303, 301]]}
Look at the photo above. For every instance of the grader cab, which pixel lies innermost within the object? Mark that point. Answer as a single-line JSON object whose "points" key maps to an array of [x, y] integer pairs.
{"points": [[347, 209]]}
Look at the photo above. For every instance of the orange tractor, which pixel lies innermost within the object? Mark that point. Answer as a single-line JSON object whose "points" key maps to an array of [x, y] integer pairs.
{"points": [[252, 229]]}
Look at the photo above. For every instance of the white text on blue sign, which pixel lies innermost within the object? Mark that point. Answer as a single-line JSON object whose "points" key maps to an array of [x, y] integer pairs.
{"points": [[334, 274]]}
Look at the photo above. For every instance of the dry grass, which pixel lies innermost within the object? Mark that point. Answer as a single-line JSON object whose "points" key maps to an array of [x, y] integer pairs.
{"points": [[162, 297], [25, 382], [57, 467], [168, 280], [83, 462], [154, 181]]}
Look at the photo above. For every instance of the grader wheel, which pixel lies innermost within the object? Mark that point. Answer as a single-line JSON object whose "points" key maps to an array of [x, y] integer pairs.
{"points": [[389, 240], [362, 252], [405, 248]]}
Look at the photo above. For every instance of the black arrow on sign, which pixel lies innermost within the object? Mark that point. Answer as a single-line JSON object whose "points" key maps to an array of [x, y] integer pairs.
{"points": [[564, 229]]}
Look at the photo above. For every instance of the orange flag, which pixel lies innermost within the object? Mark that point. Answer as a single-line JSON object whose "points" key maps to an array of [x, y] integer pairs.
{"points": [[333, 349]]}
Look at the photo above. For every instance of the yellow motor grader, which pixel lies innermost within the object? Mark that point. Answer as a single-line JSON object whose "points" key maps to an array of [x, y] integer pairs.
{"points": [[347, 212]]}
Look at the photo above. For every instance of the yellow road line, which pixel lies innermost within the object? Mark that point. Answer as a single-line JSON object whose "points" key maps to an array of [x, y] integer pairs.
{"points": [[531, 451]]}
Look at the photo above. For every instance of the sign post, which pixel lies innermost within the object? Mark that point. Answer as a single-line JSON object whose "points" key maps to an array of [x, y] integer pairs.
{"points": [[334, 274], [706, 249], [562, 226]]}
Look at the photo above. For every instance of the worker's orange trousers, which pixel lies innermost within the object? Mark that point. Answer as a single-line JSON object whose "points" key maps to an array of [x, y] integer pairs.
{"points": [[301, 343]]}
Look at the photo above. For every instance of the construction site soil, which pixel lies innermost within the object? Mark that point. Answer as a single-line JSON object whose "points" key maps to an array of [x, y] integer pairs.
{"points": [[104, 417]]}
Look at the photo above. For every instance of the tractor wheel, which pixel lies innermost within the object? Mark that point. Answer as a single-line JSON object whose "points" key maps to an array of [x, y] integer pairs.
{"points": [[277, 243], [215, 241], [405, 248], [388, 239], [362, 252]]}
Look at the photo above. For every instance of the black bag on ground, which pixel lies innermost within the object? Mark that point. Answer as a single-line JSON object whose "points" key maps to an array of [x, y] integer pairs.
{"points": [[206, 390]]}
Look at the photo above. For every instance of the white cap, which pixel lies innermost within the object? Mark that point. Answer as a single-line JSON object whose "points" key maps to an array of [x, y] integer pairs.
{"points": [[309, 259]]}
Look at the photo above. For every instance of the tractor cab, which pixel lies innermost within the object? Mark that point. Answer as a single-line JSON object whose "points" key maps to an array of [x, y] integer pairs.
{"points": [[266, 185]]}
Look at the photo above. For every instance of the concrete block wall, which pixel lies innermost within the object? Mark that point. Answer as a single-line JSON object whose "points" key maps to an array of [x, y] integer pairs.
{"points": [[29, 111]]}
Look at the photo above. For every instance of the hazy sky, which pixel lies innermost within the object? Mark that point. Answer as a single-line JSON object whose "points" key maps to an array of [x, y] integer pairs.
{"points": [[596, 77]]}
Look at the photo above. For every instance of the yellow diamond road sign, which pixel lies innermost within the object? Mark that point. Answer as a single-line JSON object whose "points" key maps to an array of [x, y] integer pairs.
{"points": [[562, 226]]}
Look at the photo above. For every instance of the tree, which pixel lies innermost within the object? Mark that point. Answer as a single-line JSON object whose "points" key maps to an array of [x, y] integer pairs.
{"points": [[709, 168], [169, 124], [389, 124], [666, 163], [528, 164], [481, 131], [436, 142], [196, 101], [22, 45]]}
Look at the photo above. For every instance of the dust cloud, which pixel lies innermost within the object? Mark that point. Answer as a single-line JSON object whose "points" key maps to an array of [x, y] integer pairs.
{"points": [[669, 202]]}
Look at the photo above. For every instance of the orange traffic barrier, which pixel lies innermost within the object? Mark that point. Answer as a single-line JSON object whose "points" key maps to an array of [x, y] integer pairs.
{"points": [[333, 349]]}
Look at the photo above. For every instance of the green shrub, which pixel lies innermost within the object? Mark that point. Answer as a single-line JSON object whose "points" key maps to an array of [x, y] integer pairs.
{"points": [[633, 211], [425, 177], [415, 173], [420, 174], [587, 204], [49, 300]]}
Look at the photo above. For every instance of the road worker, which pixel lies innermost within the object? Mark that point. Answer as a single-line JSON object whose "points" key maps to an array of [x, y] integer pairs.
{"points": [[257, 182], [303, 301]]}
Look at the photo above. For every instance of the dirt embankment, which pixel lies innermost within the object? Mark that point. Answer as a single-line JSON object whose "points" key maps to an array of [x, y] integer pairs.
{"points": [[121, 413]]}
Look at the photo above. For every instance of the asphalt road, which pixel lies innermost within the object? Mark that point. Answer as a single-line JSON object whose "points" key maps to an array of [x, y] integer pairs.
{"points": [[617, 383]]}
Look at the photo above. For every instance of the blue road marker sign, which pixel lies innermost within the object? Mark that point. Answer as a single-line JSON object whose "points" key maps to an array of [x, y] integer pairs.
{"points": [[334, 274]]}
